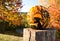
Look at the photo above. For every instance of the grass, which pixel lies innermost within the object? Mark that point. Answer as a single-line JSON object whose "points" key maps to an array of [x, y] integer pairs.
{"points": [[5, 37], [10, 36]]}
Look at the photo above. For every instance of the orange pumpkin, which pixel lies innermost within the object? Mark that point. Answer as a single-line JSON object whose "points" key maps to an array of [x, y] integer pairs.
{"points": [[40, 12]]}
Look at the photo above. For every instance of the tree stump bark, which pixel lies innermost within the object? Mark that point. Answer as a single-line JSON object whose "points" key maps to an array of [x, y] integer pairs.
{"points": [[39, 35]]}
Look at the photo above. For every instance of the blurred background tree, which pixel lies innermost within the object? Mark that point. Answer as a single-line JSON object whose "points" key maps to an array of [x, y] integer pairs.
{"points": [[54, 11], [9, 12]]}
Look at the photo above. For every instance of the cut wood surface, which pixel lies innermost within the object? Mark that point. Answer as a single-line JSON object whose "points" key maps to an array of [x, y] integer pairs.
{"points": [[39, 35]]}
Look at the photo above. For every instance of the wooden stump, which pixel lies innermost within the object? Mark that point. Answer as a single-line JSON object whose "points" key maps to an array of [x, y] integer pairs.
{"points": [[39, 35]]}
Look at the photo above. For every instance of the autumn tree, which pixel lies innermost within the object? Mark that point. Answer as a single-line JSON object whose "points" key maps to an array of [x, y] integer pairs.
{"points": [[54, 10], [9, 11]]}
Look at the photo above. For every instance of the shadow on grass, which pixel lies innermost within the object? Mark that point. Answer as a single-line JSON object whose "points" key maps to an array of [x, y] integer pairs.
{"points": [[14, 33]]}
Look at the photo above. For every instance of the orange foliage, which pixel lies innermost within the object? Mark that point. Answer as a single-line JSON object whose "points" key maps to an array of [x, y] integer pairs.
{"points": [[9, 11], [55, 17], [54, 11], [11, 17]]}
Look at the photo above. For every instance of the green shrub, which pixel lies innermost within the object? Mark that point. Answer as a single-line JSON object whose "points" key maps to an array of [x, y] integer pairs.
{"points": [[58, 34]]}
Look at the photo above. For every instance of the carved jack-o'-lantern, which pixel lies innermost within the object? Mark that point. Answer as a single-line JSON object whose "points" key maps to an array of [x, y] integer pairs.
{"points": [[38, 16]]}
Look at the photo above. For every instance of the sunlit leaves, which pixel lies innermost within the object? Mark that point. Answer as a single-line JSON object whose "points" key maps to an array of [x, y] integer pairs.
{"points": [[10, 5], [9, 11], [54, 17], [54, 10]]}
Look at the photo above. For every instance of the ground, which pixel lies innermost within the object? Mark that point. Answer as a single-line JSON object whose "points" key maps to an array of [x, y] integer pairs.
{"points": [[4, 37]]}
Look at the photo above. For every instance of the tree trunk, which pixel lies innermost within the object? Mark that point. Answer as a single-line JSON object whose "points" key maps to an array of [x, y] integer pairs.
{"points": [[39, 35]]}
